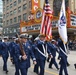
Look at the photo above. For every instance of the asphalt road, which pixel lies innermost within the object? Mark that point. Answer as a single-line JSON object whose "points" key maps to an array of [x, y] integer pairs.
{"points": [[71, 69]]}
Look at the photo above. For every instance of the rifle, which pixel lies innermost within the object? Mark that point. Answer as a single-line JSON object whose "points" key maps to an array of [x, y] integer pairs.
{"points": [[21, 46]]}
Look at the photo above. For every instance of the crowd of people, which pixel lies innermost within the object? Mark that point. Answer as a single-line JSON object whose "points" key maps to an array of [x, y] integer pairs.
{"points": [[21, 48], [72, 44]]}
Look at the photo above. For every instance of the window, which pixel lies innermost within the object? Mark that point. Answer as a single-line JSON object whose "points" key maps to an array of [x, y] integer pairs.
{"points": [[7, 8], [0, 26], [10, 5], [10, 0], [4, 16], [15, 11], [10, 30], [1, 15], [30, 5], [1, 21], [24, 16], [4, 3], [10, 21], [15, 3], [3, 9], [7, 22], [57, 6], [14, 30], [19, 18], [19, 1], [7, 14], [4, 23], [15, 19], [11, 13], [24, 6], [7, 1], [19, 9]]}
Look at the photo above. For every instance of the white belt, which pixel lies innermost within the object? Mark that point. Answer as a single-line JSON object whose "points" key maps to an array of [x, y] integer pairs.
{"points": [[41, 52]]}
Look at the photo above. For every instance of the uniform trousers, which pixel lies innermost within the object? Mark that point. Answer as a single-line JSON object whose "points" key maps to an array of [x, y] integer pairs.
{"points": [[41, 64], [53, 61], [5, 63], [36, 67], [23, 67], [63, 66]]}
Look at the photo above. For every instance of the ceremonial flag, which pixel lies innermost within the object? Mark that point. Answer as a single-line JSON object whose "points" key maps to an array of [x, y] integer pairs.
{"points": [[62, 28], [46, 27]]}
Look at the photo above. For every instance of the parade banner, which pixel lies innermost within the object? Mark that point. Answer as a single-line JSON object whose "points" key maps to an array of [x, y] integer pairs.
{"points": [[62, 28]]}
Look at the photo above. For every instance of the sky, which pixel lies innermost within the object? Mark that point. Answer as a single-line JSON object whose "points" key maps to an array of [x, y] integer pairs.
{"points": [[1, 6]]}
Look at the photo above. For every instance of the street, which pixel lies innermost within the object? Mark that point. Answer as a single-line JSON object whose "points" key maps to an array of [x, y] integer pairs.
{"points": [[71, 69]]}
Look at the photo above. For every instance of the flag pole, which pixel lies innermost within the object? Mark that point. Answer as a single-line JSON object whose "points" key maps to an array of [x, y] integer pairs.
{"points": [[45, 18]]}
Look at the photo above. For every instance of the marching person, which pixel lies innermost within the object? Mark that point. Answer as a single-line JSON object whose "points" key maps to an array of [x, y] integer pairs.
{"points": [[0, 47], [41, 49], [63, 56], [36, 67], [5, 54], [53, 50], [11, 44], [30, 39], [24, 55], [13, 57]]}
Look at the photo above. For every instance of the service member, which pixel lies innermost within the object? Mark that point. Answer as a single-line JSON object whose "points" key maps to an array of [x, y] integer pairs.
{"points": [[41, 50], [24, 56], [5, 54], [13, 57], [63, 56], [53, 50]]}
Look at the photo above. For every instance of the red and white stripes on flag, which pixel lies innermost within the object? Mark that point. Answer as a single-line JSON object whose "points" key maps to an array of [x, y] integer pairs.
{"points": [[46, 27]]}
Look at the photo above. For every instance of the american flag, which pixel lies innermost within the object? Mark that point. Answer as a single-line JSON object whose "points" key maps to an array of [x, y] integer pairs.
{"points": [[46, 26]]}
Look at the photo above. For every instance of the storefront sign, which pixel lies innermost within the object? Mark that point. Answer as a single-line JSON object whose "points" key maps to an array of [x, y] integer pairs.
{"points": [[35, 5], [38, 15], [31, 17], [73, 20], [54, 23], [29, 28]]}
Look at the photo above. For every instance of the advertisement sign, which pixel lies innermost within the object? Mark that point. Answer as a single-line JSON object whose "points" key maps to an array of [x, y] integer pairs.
{"points": [[35, 5], [73, 20]]}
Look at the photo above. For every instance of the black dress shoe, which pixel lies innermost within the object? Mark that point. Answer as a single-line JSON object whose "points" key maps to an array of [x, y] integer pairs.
{"points": [[50, 67], [6, 71], [48, 59], [36, 72], [75, 66], [68, 64], [57, 68]]}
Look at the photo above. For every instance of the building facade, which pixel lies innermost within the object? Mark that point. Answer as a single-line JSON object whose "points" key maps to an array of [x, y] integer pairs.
{"points": [[1, 6], [1, 22], [72, 5], [15, 11], [1, 16]]}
